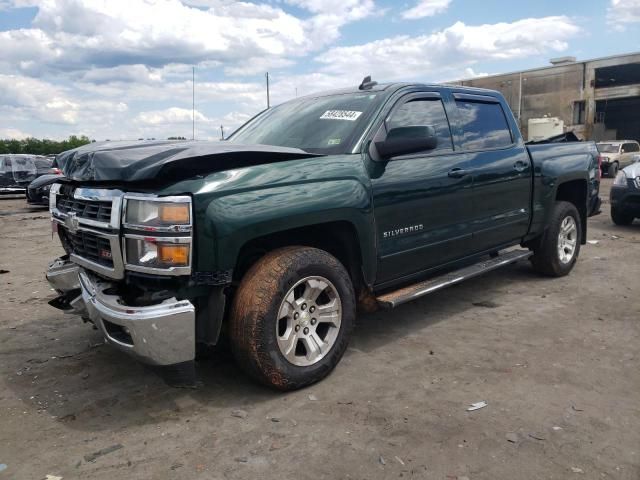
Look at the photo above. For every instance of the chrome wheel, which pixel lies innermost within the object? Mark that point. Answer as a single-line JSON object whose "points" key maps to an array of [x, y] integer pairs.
{"points": [[567, 240], [309, 321]]}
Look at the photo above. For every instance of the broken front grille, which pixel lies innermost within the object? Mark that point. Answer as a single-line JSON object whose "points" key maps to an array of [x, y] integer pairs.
{"points": [[88, 246], [89, 209]]}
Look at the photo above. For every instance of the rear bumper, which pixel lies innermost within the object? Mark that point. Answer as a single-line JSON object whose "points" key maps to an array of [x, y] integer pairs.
{"points": [[160, 334]]}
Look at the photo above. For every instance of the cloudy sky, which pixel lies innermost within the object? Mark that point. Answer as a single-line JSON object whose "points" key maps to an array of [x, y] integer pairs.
{"points": [[121, 69]]}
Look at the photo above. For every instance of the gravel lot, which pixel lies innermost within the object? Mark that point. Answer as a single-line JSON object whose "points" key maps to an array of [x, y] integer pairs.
{"points": [[557, 362]]}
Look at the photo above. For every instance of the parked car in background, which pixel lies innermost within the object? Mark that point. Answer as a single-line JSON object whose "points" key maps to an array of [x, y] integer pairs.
{"points": [[615, 155], [18, 170], [38, 190], [625, 194]]}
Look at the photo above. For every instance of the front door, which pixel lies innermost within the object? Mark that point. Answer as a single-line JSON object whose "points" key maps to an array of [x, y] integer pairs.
{"points": [[422, 202]]}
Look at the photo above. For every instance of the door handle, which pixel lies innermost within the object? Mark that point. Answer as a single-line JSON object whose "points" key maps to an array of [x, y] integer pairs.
{"points": [[520, 166], [457, 173]]}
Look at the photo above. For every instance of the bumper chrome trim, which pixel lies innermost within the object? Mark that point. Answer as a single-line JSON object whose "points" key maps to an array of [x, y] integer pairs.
{"points": [[63, 275], [162, 334]]}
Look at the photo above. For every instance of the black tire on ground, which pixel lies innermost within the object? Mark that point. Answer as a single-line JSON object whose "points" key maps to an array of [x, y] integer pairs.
{"points": [[613, 170], [253, 322], [546, 257], [621, 218]]}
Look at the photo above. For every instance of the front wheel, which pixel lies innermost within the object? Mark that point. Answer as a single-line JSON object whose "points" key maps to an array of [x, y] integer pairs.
{"points": [[292, 317], [620, 217], [557, 252]]}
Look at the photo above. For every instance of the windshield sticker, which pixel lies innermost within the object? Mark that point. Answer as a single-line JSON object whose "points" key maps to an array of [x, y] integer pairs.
{"points": [[334, 141], [349, 115]]}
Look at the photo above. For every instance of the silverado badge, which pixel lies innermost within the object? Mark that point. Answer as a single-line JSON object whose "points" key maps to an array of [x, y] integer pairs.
{"points": [[402, 231]]}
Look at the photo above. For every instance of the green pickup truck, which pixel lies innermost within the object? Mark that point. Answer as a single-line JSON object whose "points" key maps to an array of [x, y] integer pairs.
{"points": [[356, 199]]}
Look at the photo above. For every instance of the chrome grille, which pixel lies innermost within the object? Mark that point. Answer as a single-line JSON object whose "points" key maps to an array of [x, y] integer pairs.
{"points": [[90, 209], [88, 245]]}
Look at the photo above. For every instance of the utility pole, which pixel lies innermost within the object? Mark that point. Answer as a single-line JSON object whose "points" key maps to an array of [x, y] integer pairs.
{"points": [[268, 100], [221, 132], [193, 103]]}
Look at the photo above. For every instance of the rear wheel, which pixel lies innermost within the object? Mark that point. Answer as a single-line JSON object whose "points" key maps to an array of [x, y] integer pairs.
{"points": [[292, 317], [613, 170], [620, 217], [558, 250]]}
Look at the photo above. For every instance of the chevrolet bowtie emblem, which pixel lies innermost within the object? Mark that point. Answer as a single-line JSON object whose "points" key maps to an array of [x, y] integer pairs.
{"points": [[71, 222]]}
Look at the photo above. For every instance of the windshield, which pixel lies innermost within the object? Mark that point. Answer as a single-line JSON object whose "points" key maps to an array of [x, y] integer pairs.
{"points": [[327, 125], [608, 148]]}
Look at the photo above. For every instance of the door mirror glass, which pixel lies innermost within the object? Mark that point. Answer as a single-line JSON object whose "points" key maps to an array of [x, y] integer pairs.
{"points": [[407, 140]]}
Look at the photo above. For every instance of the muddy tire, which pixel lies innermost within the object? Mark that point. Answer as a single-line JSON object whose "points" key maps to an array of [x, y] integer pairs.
{"points": [[613, 170], [621, 218], [292, 317], [557, 252]]}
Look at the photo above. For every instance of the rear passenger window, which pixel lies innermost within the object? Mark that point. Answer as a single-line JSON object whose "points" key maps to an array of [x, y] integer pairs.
{"points": [[424, 112], [630, 147], [484, 125]]}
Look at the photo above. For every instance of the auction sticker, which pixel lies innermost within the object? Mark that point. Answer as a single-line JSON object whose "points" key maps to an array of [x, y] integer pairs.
{"points": [[350, 115]]}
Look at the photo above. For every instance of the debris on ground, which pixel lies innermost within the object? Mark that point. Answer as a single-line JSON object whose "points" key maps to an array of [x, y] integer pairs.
{"points": [[313, 398], [399, 460], [593, 242], [275, 419], [486, 304], [537, 436], [3, 466], [241, 459], [3, 271], [512, 437], [556, 428], [577, 470], [95, 455], [381, 460], [477, 406], [575, 409], [52, 477], [239, 414]]}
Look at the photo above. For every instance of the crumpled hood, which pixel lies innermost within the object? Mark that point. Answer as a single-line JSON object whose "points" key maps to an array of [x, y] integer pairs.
{"points": [[163, 160]]}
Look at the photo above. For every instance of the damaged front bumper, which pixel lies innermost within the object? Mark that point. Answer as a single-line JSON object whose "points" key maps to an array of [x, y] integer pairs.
{"points": [[160, 334]]}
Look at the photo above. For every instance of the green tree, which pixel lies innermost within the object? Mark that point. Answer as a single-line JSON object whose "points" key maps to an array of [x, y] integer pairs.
{"points": [[45, 146]]}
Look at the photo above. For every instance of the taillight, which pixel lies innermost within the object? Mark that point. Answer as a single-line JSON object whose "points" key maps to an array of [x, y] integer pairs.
{"points": [[56, 171]]}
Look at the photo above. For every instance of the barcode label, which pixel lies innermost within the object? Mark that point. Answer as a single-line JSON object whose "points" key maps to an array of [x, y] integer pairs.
{"points": [[349, 115]]}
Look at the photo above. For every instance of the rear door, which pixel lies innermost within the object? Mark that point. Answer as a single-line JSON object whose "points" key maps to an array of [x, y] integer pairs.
{"points": [[423, 213], [501, 170]]}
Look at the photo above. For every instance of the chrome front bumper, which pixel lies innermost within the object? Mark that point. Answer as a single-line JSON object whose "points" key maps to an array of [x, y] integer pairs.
{"points": [[161, 334]]}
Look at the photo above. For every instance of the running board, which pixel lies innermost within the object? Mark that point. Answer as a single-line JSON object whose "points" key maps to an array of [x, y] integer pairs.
{"points": [[406, 294]]}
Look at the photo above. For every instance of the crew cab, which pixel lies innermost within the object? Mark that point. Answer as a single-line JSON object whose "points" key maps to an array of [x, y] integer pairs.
{"points": [[362, 198]]}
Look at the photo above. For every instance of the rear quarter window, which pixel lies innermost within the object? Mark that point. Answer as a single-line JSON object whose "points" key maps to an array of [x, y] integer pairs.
{"points": [[484, 125]]}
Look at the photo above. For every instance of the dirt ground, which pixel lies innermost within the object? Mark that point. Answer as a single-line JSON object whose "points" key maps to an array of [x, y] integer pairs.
{"points": [[556, 360]]}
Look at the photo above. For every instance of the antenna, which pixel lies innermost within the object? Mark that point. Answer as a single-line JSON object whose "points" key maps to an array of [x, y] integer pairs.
{"points": [[367, 83], [268, 101], [221, 132], [193, 103]]}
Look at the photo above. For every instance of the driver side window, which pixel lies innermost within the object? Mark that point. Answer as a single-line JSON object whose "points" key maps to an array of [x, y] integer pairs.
{"points": [[422, 111]]}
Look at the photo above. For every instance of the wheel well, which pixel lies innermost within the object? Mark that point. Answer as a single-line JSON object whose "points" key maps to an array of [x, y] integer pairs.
{"points": [[575, 191], [340, 239]]}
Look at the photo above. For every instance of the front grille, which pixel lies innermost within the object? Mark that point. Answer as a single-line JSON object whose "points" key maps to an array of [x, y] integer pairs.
{"points": [[89, 209], [88, 246]]}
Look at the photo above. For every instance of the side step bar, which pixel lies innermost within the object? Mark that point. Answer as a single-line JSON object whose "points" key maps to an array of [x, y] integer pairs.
{"points": [[406, 294]]}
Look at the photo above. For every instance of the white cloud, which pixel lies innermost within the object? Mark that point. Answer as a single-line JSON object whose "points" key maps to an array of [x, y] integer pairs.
{"points": [[13, 133], [439, 56], [426, 8], [169, 116], [623, 12]]}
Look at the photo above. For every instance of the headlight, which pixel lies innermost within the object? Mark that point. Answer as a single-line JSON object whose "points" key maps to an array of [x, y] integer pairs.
{"points": [[152, 253], [159, 214], [157, 236], [621, 180]]}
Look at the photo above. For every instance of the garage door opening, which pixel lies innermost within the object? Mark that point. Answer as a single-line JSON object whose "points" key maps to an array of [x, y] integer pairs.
{"points": [[619, 118]]}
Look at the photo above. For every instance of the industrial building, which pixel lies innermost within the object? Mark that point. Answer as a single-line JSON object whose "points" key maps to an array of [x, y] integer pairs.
{"points": [[596, 99]]}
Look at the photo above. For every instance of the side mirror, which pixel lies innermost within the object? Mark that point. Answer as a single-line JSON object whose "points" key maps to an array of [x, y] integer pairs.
{"points": [[407, 140]]}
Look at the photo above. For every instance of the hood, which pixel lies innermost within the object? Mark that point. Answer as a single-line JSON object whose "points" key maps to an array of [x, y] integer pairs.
{"points": [[165, 160], [632, 171], [45, 180]]}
